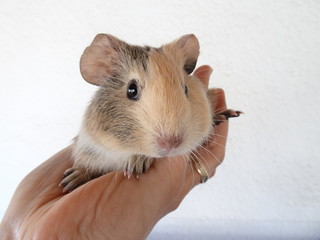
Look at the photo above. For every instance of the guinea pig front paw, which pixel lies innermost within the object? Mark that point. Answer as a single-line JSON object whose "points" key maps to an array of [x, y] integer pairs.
{"points": [[225, 115], [137, 164], [75, 177]]}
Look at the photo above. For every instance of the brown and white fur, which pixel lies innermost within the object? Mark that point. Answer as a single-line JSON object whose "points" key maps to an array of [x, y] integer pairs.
{"points": [[171, 115]]}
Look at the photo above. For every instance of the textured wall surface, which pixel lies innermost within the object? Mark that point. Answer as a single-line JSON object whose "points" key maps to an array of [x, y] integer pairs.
{"points": [[266, 55]]}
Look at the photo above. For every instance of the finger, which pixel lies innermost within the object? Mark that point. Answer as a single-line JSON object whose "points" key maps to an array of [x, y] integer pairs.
{"points": [[218, 138], [203, 73], [211, 153], [217, 98]]}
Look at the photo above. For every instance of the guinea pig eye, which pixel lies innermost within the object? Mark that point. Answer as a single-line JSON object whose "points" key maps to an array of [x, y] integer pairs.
{"points": [[132, 92], [186, 90], [190, 66]]}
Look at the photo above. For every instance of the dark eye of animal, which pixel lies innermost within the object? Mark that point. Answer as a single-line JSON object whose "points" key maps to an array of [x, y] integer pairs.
{"points": [[132, 92], [186, 90]]}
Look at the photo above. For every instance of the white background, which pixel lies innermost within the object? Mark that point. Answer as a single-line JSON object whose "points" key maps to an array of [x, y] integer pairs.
{"points": [[265, 54]]}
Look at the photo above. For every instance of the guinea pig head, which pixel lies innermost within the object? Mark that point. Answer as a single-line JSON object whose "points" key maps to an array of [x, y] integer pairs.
{"points": [[147, 102]]}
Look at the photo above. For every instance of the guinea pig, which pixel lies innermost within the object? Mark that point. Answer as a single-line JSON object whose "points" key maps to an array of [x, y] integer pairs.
{"points": [[147, 106]]}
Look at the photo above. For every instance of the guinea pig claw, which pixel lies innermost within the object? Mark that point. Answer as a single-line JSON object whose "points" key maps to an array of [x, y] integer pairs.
{"points": [[230, 113], [127, 173], [68, 172], [225, 115], [75, 177], [137, 165]]}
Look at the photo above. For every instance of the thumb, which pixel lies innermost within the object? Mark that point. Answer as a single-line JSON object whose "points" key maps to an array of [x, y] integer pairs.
{"points": [[203, 73]]}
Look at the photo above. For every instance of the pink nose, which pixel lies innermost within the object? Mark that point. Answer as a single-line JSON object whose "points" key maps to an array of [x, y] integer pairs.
{"points": [[167, 143]]}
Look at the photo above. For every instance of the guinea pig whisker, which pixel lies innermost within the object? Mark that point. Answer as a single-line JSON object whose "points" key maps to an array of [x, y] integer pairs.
{"points": [[217, 110], [191, 165], [211, 154], [214, 137], [199, 145], [203, 160], [218, 135], [216, 143]]}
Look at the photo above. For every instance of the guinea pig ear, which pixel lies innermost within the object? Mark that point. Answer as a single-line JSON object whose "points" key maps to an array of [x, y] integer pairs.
{"points": [[97, 63], [191, 48]]}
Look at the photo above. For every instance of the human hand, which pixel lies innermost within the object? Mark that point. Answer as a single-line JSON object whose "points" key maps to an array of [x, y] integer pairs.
{"points": [[112, 206]]}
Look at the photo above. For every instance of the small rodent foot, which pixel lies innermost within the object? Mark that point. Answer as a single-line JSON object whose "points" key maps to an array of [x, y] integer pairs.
{"points": [[225, 115], [137, 165], [127, 173], [75, 177]]}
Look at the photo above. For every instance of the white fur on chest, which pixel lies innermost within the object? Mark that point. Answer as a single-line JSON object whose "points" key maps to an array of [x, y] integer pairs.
{"points": [[90, 154]]}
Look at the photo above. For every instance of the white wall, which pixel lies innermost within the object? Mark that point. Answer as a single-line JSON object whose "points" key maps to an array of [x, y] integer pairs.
{"points": [[266, 55]]}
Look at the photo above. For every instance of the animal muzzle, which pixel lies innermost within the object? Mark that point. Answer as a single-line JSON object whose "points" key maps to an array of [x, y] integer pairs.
{"points": [[168, 144]]}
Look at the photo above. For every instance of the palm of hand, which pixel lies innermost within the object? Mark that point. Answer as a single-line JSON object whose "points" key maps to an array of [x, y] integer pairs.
{"points": [[112, 206]]}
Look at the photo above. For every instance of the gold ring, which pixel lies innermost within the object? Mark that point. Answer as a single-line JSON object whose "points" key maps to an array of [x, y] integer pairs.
{"points": [[204, 175]]}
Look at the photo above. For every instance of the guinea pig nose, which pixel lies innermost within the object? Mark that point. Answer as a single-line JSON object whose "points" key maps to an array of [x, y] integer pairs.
{"points": [[167, 143]]}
